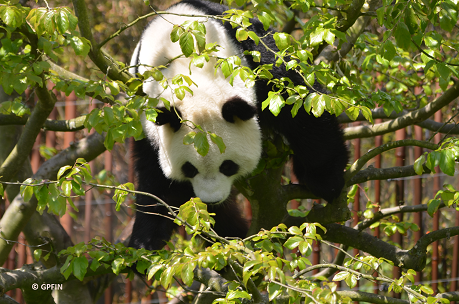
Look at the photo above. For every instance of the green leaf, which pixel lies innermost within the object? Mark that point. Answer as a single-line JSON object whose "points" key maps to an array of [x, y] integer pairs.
{"points": [[80, 45], [67, 188], [2, 193], [12, 16], [201, 144], [411, 21], [353, 112], [37, 254], [118, 265], [447, 162], [329, 37], [351, 280], [218, 141], [236, 294], [293, 242], [402, 36], [418, 168], [380, 13], [265, 19], [443, 70], [189, 138], [276, 103], [446, 22], [309, 101], [176, 32], [432, 206], [427, 289], [389, 50], [241, 34], [318, 105], [342, 275], [80, 267], [274, 290], [254, 37], [367, 114], [282, 40], [27, 193], [62, 21], [317, 36], [187, 273], [187, 44], [166, 276], [153, 269]]}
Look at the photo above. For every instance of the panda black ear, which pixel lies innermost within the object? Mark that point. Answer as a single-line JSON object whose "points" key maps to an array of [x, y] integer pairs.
{"points": [[237, 107], [168, 117]]}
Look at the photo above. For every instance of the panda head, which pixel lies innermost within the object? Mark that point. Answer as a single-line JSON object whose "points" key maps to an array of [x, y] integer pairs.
{"points": [[212, 176]]}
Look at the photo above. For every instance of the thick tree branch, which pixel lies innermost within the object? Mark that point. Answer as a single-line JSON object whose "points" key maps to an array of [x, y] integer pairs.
{"points": [[372, 173], [361, 296], [408, 119], [33, 126], [358, 164], [390, 211], [19, 212], [103, 61], [29, 274], [429, 124], [72, 76], [70, 125], [356, 27], [414, 258]]}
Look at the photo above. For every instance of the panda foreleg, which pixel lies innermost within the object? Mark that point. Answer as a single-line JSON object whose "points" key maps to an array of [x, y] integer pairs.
{"points": [[228, 219], [320, 154]]}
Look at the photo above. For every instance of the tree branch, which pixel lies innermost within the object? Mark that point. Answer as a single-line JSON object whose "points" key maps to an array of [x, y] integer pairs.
{"points": [[361, 296], [33, 126], [372, 173], [70, 125], [414, 258], [25, 276], [428, 124], [19, 212], [357, 26], [393, 210], [358, 164], [67, 75], [408, 119], [103, 61]]}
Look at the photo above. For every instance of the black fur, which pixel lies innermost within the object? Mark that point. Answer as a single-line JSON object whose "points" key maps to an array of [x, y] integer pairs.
{"points": [[237, 107], [320, 154], [168, 117]]}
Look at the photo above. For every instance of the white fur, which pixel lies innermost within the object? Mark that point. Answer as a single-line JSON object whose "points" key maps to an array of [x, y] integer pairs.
{"points": [[242, 138]]}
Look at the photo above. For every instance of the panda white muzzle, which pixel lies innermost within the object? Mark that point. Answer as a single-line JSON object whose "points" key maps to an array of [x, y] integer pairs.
{"points": [[212, 189]]}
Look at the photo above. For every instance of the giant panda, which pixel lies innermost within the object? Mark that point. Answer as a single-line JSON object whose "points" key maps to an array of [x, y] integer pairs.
{"points": [[175, 172]]}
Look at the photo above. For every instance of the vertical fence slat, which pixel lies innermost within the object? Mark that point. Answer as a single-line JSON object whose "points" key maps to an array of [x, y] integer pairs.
{"points": [[417, 198], [436, 218], [377, 199], [69, 137], [108, 219], [356, 207], [399, 197]]}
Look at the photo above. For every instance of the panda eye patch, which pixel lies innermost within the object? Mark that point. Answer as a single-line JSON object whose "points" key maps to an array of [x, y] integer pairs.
{"points": [[228, 167], [237, 107], [169, 117], [189, 170]]}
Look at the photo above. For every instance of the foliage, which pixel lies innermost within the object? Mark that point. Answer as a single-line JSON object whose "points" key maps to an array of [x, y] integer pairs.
{"points": [[404, 63]]}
